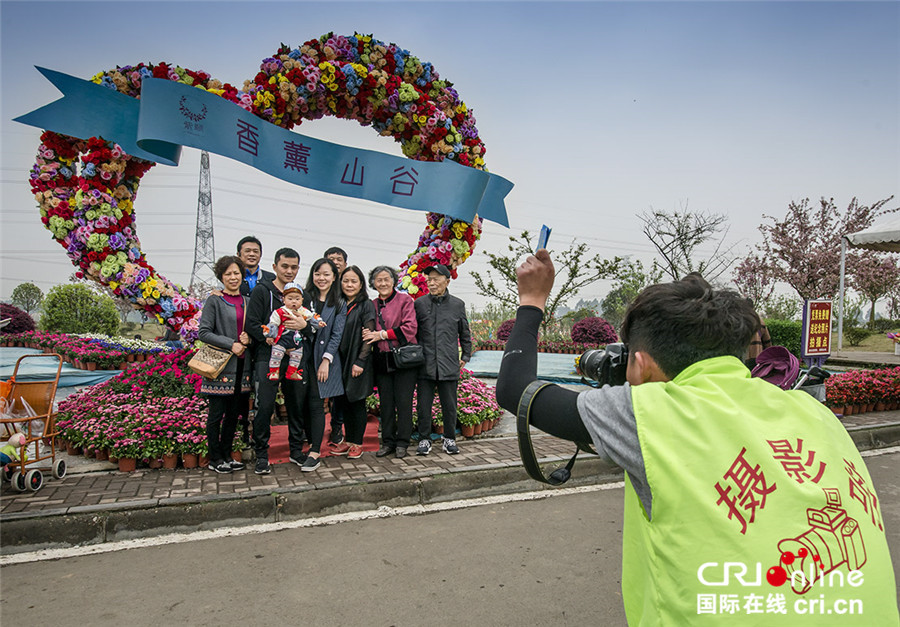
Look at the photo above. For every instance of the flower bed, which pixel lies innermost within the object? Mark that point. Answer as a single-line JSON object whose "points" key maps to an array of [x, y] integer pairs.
{"points": [[476, 405], [544, 346], [858, 391], [89, 351], [154, 409], [145, 413]]}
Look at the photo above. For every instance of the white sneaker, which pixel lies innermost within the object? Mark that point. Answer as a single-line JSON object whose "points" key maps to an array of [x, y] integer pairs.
{"points": [[450, 446]]}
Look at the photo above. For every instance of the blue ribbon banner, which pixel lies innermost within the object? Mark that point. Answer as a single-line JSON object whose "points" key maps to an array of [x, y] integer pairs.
{"points": [[170, 115]]}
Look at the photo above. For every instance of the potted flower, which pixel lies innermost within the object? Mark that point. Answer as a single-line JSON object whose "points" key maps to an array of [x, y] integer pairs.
{"points": [[127, 450]]}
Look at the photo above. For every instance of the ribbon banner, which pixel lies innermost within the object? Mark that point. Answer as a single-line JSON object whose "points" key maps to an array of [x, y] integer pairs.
{"points": [[170, 115]]}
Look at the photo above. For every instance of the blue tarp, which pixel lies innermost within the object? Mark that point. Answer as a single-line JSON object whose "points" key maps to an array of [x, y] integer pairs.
{"points": [[555, 367], [45, 369]]}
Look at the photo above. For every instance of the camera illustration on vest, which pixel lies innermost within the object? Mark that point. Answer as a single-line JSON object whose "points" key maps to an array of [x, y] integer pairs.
{"points": [[833, 539]]}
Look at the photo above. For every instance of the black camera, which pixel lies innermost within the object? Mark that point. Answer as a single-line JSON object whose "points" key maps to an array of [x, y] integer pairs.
{"points": [[605, 366]]}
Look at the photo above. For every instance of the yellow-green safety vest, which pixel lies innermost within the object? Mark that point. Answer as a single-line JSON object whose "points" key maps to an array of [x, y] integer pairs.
{"points": [[763, 512]]}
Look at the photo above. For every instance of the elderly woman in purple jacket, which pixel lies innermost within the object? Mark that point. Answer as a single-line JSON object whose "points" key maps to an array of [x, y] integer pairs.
{"points": [[395, 325]]}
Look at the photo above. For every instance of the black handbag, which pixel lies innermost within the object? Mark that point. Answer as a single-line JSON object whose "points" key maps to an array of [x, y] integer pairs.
{"points": [[409, 356]]}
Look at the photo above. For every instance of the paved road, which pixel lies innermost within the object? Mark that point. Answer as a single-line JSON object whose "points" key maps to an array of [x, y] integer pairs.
{"points": [[547, 562]]}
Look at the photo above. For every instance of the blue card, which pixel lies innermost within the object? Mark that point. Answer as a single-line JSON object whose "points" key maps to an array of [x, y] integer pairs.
{"points": [[544, 237]]}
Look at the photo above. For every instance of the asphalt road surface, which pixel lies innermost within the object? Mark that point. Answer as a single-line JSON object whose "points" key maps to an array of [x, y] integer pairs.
{"points": [[545, 562]]}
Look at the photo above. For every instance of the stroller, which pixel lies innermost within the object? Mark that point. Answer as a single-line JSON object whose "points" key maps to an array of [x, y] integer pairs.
{"points": [[780, 367], [38, 425]]}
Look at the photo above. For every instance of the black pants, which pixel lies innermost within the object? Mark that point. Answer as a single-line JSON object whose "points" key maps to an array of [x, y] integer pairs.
{"points": [[312, 409], [221, 423], [447, 392], [338, 407], [295, 393], [354, 413], [395, 391]]}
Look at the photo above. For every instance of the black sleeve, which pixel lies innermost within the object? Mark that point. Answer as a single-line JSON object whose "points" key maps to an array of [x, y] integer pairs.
{"points": [[257, 314], [555, 409], [465, 335]]}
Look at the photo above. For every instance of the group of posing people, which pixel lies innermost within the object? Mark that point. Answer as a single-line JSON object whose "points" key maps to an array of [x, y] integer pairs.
{"points": [[327, 341]]}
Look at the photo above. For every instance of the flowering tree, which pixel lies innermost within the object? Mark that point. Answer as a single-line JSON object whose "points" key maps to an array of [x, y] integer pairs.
{"points": [[755, 279], [874, 277], [804, 247], [574, 270]]}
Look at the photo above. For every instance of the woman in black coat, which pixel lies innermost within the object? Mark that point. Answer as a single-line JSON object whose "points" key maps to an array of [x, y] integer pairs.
{"points": [[356, 357]]}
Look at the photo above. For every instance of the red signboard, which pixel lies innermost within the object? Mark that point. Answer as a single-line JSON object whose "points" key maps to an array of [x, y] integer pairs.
{"points": [[817, 328]]}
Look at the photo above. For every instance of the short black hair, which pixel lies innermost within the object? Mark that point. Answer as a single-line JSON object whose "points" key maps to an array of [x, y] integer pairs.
{"points": [[286, 252], [249, 239], [363, 293], [335, 250], [223, 263], [378, 270], [334, 292], [687, 321]]}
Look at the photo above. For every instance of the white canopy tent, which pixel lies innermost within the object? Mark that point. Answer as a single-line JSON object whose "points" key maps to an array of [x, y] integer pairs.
{"points": [[883, 237]]}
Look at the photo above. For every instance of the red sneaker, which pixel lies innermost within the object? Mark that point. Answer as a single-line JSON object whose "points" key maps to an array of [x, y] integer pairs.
{"points": [[340, 449], [354, 451]]}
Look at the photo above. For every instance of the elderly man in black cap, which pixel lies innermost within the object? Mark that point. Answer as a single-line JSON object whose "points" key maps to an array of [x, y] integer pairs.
{"points": [[443, 330]]}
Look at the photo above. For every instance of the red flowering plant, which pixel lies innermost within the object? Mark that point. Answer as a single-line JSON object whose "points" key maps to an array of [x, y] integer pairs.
{"points": [[863, 387], [476, 402], [19, 321], [505, 329], [593, 330], [106, 351], [147, 411]]}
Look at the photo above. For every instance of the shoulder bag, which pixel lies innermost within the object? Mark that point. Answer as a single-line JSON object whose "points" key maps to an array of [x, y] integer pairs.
{"points": [[407, 355], [209, 361]]}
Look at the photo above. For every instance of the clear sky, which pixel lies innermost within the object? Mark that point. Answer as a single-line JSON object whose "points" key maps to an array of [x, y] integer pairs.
{"points": [[597, 111]]}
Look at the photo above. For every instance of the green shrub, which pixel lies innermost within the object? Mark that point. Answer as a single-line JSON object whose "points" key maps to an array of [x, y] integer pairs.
{"points": [[76, 308], [787, 333], [883, 325], [856, 335]]}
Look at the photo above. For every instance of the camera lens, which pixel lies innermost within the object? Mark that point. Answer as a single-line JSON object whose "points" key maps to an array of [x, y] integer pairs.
{"points": [[606, 366]]}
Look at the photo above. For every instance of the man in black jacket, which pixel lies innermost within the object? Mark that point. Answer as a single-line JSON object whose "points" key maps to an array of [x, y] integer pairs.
{"points": [[264, 299], [443, 329]]}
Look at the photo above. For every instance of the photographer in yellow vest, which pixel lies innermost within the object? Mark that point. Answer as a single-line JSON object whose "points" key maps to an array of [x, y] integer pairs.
{"points": [[744, 504]]}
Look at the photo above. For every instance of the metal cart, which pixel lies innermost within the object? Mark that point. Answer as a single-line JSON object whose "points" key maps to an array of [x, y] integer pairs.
{"points": [[39, 453]]}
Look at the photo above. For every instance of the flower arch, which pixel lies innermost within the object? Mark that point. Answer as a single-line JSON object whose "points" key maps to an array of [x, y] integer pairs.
{"points": [[86, 188]]}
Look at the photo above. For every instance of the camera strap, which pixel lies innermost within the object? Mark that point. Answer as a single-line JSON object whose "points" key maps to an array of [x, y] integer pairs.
{"points": [[526, 448]]}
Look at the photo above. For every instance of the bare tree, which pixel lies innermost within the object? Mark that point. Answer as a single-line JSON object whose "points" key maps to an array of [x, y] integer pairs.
{"points": [[677, 235]]}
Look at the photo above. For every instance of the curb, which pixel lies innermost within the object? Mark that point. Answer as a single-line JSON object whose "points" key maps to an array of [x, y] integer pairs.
{"points": [[98, 524], [875, 436]]}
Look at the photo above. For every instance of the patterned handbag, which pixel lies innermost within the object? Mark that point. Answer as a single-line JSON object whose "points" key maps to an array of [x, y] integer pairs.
{"points": [[209, 361]]}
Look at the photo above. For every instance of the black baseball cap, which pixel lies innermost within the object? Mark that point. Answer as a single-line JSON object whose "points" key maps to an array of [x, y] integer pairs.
{"points": [[440, 269]]}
